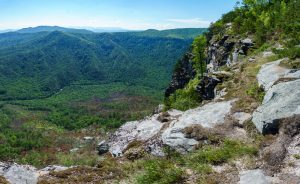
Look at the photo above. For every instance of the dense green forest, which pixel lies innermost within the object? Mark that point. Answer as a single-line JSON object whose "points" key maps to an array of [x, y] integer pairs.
{"points": [[55, 81], [38, 65]]}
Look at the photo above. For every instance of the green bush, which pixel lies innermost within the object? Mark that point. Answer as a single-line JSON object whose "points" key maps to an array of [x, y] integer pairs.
{"points": [[217, 155], [256, 92], [292, 53], [184, 99], [160, 172]]}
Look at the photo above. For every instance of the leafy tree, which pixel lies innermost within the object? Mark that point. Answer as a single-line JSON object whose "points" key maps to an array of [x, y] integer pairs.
{"points": [[199, 51]]}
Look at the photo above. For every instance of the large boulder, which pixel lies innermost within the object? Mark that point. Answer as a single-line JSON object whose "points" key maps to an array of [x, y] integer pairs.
{"points": [[281, 101], [206, 87], [103, 147], [271, 72], [207, 116], [134, 131], [253, 177], [19, 174]]}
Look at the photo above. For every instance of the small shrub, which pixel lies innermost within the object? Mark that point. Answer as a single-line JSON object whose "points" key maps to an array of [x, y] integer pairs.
{"points": [[71, 159], [218, 155], [292, 53], [256, 92], [297, 156], [37, 159], [160, 172], [292, 64], [203, 168], [184, 99]]}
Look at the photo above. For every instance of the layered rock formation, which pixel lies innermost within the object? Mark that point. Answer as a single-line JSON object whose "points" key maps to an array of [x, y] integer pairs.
{"points": [[220, 52], [282, 99]]}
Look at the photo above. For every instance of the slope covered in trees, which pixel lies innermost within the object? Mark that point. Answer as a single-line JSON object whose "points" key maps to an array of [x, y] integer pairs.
{"points": [[39, 64], [56, 81]]}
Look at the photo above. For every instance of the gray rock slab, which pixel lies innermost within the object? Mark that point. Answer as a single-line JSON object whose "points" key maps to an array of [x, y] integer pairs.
{"points": [[207, 116], [281, 101]]}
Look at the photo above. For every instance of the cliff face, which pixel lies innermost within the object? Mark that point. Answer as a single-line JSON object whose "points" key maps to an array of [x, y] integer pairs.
{"points": [[222, 49], [226, 51], [183, 73]]}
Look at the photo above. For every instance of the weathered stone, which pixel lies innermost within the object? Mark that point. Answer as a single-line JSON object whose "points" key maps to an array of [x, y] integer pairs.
{"points": [[207, 116], [19, 174], [220, 94], [253, 177], [52, 168], [281, 101], [134, 131], [293, 149], [88, 138], [268, 54], [74, 150], [242, 117], [206, 88], [247, 41], [272, 72], [158, 109], [103, 148]]}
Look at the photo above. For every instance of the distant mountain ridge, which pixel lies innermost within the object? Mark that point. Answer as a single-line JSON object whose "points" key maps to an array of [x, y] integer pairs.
{"points": [[37, 62], [182, 33], [53, 28]]}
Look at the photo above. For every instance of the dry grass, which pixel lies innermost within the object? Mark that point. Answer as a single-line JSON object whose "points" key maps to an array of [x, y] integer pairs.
{"points": [[244, 80], [3, 180], [107, 170]]}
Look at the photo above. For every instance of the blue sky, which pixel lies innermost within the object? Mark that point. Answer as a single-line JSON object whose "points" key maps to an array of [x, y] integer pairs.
{"points": [[128, 14]]}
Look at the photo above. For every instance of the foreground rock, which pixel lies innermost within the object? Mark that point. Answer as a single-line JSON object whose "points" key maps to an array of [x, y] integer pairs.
{"points": [[281, 101], [253, 177], [25, 174], [168, 129], [133, 131], [19, 174], [271, 72], [103, 148], [207, 116]]}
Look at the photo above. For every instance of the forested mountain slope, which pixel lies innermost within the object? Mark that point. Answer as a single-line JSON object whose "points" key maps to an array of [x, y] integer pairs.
{"points": [[40, 63]]}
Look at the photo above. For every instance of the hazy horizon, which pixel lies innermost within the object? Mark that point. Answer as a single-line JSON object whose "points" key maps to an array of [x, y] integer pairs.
{"points": [[123, 14]]}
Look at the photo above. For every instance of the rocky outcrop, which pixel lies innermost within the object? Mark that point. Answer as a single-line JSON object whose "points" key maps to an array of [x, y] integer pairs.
{"points": [[281, 101], [25, 174], [103, 148], [253, 177], [133, 131], [206, 88], [271, 72], [226, 51], [167, 128], [207, 116], [19, 174], [242, 117], [183, 73], [208, 83]]}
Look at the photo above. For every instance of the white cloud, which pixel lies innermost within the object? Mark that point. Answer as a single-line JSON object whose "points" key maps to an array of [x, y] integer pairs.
{"points": [[194, 22]]}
